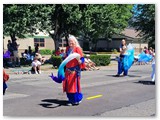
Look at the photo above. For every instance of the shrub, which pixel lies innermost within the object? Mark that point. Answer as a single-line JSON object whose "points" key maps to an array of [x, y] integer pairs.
{"points": [[56, 60], [45, 52], [101, 60], [53, 52], [114, 51]]}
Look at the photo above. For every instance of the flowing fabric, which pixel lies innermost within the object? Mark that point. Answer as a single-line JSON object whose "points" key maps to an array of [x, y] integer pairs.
{"points": [[153, 71], [7, 54], [129, 57], [75, 97], [121, 66], [144, 57], [61, 74]]}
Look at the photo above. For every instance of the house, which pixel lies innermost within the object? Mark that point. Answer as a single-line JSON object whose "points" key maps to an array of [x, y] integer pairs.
{"points": [[131, 36], [44, 41]]}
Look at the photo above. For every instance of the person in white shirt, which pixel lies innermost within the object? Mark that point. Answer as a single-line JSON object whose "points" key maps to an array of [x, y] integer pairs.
{"points": [[36, 66], [90, 65]]}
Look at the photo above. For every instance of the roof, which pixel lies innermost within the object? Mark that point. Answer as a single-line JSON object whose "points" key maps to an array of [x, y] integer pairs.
{"points": [[120, 36], [131, 32]]}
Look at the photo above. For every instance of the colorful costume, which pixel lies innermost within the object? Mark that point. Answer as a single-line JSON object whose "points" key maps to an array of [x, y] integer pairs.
{"points": [[126, 60], [121, 66], [71, 84], [153, 71], [5, 78], [143, 57]]}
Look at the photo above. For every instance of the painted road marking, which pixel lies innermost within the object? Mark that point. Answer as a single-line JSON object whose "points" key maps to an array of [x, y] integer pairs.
{"points": [[10, 95], [93, 97]]}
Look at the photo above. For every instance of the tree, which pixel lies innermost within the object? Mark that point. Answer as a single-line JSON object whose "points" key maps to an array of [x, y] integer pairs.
{"points": [[89, 20], [144, 21], [20, 19], [104, 20]]}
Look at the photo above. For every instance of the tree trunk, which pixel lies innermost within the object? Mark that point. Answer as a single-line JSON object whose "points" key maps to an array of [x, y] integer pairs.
{"points": [[56, 40], [13, 37], [66, 37]]}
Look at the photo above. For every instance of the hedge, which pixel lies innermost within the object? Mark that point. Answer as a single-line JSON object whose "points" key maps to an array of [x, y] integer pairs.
{"points": [[56, 60], [45, 52], [100, 60]]}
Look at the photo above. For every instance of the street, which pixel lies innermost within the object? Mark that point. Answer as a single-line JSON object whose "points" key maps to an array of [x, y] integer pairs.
{"points": [[104, 94]]}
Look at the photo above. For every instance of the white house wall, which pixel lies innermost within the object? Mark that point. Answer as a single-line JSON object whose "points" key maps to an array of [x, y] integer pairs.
{"points": [[24, 43]]}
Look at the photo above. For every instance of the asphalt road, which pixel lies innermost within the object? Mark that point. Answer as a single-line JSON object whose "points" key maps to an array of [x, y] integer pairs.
{"points": [[104, 95]]}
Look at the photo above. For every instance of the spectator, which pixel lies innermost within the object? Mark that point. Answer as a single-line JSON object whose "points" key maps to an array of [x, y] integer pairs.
{"points": [[90, 65], [58, 52], [29, 50], [146, 50], [40, 58], [10, 48], [36, 66], [63, 54], [37, 48], [9, 45], [15, 52], [150, 50], [27, 57], [25, 54], [30, 53]]}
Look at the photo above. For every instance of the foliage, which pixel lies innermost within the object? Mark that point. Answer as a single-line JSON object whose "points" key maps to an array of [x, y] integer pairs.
{"points": [[88, 20], [105, 20], [101, 60], [114, 51], [144, 21], [21, 19], [53, 52], [45, 52], [56, 60]]}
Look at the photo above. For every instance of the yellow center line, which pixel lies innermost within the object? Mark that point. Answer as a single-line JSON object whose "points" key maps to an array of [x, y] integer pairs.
{"points": [[93, 97]]}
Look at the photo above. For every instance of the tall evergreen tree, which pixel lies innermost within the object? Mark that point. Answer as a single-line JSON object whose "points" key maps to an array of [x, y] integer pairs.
{"points": [[144, 21]]}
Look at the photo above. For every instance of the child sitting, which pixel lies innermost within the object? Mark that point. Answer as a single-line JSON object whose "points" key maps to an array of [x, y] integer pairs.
{"points": [[36, 66], [90, 65]]}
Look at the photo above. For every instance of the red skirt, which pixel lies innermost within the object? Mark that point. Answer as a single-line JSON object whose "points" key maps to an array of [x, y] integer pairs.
{"points": [[71, 84]]}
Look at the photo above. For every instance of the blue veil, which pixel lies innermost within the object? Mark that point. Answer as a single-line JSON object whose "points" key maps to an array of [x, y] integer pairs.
{"points": [[129, 57], [144, 57], [61, 74]]}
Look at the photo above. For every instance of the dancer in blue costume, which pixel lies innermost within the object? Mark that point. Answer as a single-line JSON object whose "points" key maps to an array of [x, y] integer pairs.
{"points": [[126, 58]]}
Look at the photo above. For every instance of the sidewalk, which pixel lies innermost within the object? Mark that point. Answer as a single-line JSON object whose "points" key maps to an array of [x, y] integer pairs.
{"points": [[47, 68], [143, 109]]}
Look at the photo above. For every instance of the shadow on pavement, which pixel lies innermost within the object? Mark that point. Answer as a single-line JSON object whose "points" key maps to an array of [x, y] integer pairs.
{"points": [[134, 76], [49, 103], [114, 76], [124, 76], [145, 82]]}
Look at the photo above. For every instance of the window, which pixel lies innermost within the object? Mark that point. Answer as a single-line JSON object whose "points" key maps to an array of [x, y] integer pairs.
{"points": [[39, 41], [62, 43]]}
